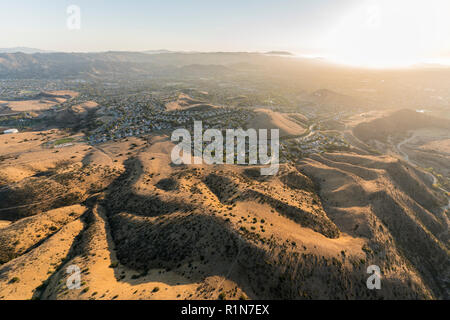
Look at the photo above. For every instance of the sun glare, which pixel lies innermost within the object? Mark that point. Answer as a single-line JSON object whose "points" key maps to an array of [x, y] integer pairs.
{"points": [[386, 33]]}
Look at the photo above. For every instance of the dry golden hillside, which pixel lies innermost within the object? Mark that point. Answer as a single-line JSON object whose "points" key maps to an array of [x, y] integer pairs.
{"points": [[400, 121], [268, 119], [143, 228]]}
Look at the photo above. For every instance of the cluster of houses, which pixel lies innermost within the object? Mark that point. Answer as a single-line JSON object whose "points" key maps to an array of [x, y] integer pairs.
{"points": [[317, 142], [141, 119]]}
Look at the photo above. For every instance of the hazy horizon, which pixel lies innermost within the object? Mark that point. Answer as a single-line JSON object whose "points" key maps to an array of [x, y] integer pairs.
{"points": [[374, 33]]}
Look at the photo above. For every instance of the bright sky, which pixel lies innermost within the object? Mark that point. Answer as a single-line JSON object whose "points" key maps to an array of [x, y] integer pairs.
{"points": [[375, 33]]}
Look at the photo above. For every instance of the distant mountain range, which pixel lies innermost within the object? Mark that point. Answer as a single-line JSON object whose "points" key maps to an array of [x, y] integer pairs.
{"points": [[61, 64], [279, 53], [28, 63], [28, 50], [158, 51], [23, 50]]}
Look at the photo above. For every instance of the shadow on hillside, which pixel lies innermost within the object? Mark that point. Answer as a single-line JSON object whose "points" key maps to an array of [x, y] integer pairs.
{"points": [[181, 243], [148, 233]]}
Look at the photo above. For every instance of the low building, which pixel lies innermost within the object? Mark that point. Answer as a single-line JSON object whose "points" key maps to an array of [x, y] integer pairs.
{"points": [[9, 131]]}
